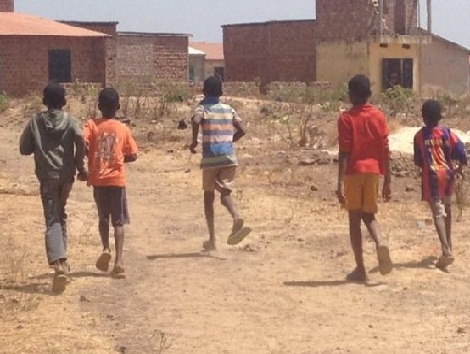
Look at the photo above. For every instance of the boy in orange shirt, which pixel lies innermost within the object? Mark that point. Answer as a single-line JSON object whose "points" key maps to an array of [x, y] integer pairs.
{"points": [[363, 157], [110, 145]]}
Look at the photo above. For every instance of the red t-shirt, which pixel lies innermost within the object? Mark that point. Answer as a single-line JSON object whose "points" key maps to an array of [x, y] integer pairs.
{"points": [[363, 133], [108, 141]]}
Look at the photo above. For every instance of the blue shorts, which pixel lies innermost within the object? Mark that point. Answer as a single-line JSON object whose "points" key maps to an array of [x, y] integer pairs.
{"points": [[112, 201]]}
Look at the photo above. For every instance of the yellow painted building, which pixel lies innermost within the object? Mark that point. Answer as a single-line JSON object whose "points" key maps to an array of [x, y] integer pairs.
{"points": [[425, 63]]}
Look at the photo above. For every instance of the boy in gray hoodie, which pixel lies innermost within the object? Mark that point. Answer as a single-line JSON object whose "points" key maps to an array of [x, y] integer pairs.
{"points": [[56, 140]]}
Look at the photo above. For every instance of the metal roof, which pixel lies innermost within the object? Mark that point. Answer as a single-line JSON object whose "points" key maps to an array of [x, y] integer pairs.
{"points": [[213, 51], [18, 24], [192, 51], [150, 34]]}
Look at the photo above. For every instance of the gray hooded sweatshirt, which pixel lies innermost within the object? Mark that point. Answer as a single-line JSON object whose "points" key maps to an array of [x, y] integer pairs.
{"points": [[56, 140]]}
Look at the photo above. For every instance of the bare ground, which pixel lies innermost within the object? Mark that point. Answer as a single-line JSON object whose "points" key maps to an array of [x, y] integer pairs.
{"points": [[281, 291]]}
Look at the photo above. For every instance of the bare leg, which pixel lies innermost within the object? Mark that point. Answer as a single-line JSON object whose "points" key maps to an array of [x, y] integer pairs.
{"points": [[448, 222], [209, 198], [440, 224], [119, 245], [103, 227], [228, 202], [373, 227], [355, 235], [383, 252]]}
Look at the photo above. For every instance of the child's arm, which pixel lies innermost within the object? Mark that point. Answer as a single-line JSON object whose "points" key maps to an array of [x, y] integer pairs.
{"points": [[241, 130], [342, 166], [459, 153], [27, 140], [239, 126], [130, 147], [195, 123], [417, 154], [80, 152], [344, 139], [387, 187]]}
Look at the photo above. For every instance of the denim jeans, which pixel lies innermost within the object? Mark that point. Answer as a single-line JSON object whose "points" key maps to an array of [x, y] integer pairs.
{"points": [[54, 195]]}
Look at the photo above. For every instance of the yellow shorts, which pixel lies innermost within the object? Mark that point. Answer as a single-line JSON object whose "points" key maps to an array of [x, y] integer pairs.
{"points": [[218, 178], [362, 192]]}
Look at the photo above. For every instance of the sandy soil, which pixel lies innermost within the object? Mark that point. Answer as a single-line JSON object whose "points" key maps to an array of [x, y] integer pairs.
{"points": [[280, 291]]}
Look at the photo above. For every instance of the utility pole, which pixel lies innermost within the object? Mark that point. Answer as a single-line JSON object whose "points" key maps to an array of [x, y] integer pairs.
{"points": [[381, 17], [429, 8]]}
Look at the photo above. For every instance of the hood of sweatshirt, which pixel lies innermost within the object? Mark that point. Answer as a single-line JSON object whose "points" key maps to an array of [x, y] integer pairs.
{"points": [[55, 122]]}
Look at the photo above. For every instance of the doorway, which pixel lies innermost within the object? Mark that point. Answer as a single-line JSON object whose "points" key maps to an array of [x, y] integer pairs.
{"points": [[60, 67]]}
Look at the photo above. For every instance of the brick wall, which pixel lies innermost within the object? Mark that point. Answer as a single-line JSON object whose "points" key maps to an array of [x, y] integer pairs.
{"points": [[109, 28], [355, 20], [145, 58], [7, 5], [271, 51], [24, 61]]}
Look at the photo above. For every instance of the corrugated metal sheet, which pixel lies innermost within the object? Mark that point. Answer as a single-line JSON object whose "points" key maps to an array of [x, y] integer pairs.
{"points": [[214, 51], [192, 51], [17, 24]]}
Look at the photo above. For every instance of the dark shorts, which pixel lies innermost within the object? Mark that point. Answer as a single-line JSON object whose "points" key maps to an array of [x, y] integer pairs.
{"points": [[112, 201]]}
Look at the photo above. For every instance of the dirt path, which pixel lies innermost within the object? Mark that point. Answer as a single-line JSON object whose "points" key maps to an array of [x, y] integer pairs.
{"points": [[281, 291]]}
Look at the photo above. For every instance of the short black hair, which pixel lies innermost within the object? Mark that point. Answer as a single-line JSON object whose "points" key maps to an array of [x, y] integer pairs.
{"points": [[54, 95], [213, 86], [108, 99], [432, 111], [359, 86]]}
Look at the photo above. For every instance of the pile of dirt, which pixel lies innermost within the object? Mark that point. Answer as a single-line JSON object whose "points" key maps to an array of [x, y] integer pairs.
{"points": [[402, 165]]}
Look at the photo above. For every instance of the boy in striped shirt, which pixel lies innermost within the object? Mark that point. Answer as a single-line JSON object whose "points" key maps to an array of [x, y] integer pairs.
{"points": [[221, 127]]}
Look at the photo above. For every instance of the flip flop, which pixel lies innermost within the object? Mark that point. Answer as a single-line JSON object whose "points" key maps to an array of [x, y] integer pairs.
{"points": [[103, 261], [385, 263], [238, 236], [445, 261], [59, 283], [118, 272]]}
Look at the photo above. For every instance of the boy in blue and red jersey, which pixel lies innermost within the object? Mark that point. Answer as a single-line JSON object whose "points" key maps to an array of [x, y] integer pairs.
{"points": [[435, 147], [221, 127]]}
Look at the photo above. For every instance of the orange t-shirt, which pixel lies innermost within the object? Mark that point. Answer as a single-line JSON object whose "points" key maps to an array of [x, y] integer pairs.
{"points": [[363, 133], [108, 141]]}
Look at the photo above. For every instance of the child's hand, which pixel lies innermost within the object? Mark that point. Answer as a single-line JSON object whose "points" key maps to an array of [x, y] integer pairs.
{"points": [[387, 191], [459, 172], [82, 176], [340, 193]]}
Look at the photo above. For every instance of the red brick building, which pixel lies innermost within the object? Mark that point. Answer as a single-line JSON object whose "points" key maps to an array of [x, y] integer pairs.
{"points": [[270, 51], [35, 51]]}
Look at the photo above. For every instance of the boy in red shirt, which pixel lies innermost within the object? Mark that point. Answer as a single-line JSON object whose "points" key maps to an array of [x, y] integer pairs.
{"points": [[110, 145], [435, 149], [363, 157]]}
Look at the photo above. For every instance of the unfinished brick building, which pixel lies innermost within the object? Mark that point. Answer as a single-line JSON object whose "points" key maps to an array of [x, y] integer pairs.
{"points": [[141, 58], [270, 51], [35, 51], [346, 38], [150, 57]]}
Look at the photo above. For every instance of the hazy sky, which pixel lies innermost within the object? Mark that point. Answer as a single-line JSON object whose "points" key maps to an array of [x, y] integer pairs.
{"points": [[203, 18]]}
